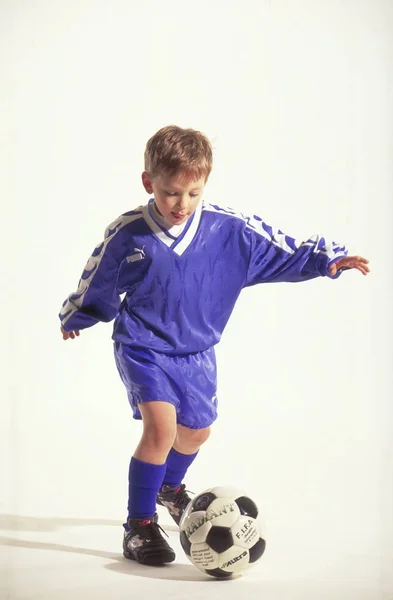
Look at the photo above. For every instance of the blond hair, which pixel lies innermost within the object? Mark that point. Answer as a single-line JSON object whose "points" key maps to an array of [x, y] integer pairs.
{"points": [[176, 151]]}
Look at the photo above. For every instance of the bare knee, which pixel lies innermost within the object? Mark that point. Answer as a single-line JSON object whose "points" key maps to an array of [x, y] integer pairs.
{"points": [[190, 440], [159, 431], [158, 437]]}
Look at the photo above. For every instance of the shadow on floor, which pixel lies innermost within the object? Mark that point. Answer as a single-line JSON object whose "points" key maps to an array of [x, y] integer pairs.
{"points": [[25, 523], [119, 564], [174, 571]]}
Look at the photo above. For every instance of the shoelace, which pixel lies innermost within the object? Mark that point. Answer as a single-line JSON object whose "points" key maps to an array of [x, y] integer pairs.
{"points": [[151, 528], [181, 500]]}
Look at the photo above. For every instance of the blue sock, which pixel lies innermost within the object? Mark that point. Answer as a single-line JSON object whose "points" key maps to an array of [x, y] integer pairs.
{"points": [[176, 467], [144, 481]]}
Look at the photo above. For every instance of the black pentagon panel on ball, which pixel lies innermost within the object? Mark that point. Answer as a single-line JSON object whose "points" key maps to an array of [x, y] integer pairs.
{"points": [[257, 550], [219, 538], [186, 544], [202, 502], [218, 573], [247, 506]]}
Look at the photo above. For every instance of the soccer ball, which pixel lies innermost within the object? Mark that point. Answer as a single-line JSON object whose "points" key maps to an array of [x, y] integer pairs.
{"points": [[220, 532]]}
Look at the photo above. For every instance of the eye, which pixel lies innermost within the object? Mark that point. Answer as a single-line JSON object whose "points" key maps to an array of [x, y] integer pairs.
{"points": [[194, 195]]}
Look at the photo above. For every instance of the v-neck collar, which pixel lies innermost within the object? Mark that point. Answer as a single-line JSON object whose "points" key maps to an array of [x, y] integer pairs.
{"points": [[180, 243], [172, 231]]}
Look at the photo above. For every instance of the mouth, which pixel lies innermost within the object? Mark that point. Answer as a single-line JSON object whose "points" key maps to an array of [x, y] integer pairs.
{"points": [[178, 216]]}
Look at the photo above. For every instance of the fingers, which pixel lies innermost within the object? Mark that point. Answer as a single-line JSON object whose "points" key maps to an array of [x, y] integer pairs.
{"points": [[359, 260], [350, 262], [361, 264], [362, 269], [73, 334], [69, 335], [365, 269]]}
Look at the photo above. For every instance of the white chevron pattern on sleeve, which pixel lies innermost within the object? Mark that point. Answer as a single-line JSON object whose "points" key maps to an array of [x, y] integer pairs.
{"points": [[75, 300], [277, 237]]}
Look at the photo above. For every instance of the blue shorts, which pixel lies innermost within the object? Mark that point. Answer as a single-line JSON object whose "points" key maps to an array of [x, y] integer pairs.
{"points": [[189, 382]]}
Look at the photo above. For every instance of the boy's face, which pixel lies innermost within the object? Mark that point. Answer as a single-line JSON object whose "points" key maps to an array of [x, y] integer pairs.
{"points": [[175, 198]]}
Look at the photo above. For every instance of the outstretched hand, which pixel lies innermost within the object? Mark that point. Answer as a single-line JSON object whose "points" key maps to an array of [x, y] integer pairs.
{"points": [[69, 335], [350, 262]]}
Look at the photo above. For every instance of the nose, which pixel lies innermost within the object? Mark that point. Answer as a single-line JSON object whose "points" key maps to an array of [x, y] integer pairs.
{"points": [[182, 205]]}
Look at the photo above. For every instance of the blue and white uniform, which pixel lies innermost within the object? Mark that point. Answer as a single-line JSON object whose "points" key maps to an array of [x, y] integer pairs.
{"points": [[172, 290]]}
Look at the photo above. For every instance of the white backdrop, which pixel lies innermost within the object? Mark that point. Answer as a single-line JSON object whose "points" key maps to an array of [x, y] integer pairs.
{"points": [[297, 99]]}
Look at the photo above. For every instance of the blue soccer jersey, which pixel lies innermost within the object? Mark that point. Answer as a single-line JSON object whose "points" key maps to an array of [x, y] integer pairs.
{"points": [[174, 292]]}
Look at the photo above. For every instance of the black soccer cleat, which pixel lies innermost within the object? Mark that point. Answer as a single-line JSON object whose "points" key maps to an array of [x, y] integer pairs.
{"points": [[145, 543], [175, 499]]}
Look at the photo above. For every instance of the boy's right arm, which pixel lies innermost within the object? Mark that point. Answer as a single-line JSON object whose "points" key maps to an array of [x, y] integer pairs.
{"points": [[96, 298]]}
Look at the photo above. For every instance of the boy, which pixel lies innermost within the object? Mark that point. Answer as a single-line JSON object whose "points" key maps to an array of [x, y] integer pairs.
{"points": [[181, 265]]}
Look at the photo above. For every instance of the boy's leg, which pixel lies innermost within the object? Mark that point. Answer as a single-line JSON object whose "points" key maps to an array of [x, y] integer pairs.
{"points": [[173, 494], [183, 453], [143, 541], [196, 412], [148, 464]]}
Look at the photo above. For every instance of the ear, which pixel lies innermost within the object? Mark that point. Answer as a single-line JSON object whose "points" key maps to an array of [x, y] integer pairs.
{"points": [[147, 182]]}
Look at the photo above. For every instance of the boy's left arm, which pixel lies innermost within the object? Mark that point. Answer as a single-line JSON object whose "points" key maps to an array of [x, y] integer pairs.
{"points": [[277, 257]]}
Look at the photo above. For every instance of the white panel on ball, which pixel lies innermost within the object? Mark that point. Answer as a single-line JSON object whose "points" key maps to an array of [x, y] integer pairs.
{"points": [[223, 512], [204, 557], [246, 531], [196, 527], [234, 560]]}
